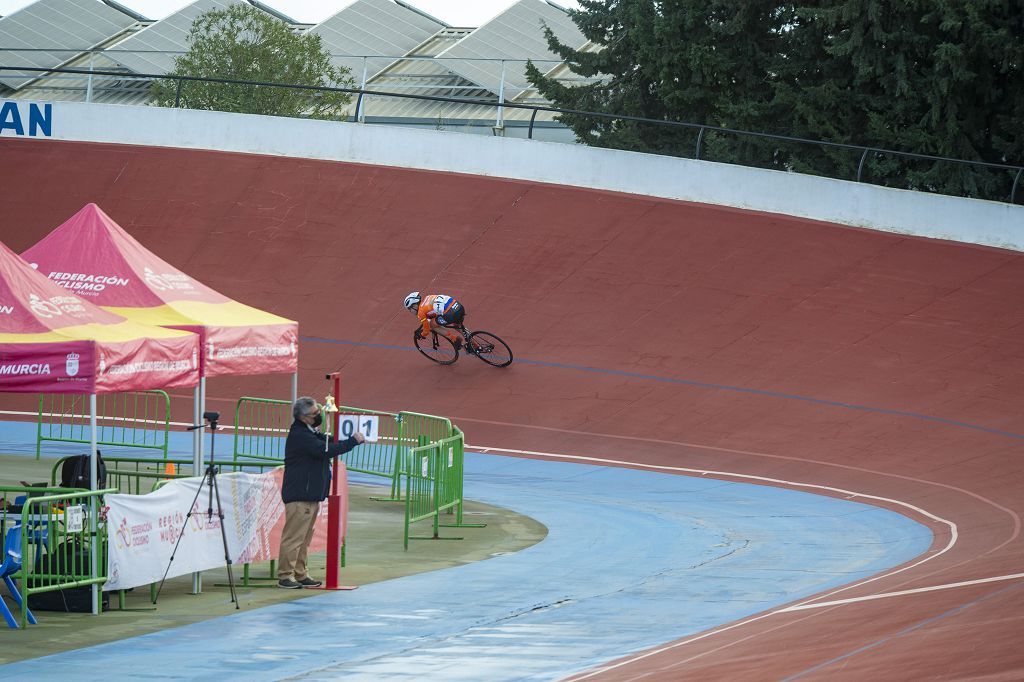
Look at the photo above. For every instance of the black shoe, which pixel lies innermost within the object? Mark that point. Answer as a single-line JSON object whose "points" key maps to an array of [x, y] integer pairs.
{"points": [[458, 344], [289, 584], [309, 582]]}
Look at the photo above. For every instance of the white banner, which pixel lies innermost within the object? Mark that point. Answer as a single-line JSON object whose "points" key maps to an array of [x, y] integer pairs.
{"points": [[143, 529]]}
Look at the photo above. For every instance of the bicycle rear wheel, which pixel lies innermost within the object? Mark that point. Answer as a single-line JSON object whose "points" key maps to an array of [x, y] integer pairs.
{"points": [[491, 349], [438, 348]]}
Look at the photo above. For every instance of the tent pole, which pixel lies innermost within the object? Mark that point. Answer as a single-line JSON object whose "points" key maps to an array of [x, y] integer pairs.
{"points": [[199, 406], [93, 485], [295, 386]]}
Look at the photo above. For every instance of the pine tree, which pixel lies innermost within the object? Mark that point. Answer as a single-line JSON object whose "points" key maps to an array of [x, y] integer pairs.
{"points": [[935, 77], [705, 63]]}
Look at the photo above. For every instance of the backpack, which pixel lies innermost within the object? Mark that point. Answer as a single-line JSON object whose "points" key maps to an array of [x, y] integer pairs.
{"points": [[74, 473]]}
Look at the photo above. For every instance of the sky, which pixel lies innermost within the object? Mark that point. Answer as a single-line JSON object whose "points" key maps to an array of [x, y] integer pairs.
{"points": [[453, 12]]}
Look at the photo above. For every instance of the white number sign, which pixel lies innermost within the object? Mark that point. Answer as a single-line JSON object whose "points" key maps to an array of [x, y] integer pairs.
{"points": [[348, 424]]}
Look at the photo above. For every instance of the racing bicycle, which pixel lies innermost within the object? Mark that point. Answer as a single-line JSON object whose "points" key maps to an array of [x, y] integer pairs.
{"points": [[484, 345]]}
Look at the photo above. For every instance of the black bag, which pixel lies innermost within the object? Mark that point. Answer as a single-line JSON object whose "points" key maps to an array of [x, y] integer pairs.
{"points": [[74, 473], [61, 562]]}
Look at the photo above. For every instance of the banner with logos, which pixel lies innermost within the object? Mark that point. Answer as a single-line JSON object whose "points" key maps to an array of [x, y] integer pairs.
{"points": [[143, 529]]}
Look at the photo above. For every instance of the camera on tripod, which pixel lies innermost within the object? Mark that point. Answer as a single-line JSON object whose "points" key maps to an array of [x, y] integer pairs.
{"points": [[211, 418]]}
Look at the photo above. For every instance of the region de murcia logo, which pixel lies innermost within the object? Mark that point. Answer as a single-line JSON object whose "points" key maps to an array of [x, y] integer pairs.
{"points": [[72, 364]]}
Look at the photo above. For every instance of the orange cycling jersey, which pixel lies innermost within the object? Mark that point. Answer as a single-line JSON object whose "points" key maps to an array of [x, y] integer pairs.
{"points": [[433, 309]]}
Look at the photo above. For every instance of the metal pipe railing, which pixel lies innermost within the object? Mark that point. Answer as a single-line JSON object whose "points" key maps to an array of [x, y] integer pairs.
{"points": [[534, 109]]}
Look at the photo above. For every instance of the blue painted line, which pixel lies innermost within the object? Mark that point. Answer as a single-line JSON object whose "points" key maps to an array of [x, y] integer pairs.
{"points": [[928, 621], [632, 559], [719, 387]]}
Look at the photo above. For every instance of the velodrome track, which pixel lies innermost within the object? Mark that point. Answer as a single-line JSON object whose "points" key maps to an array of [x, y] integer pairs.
{"points": [[650, 333]]}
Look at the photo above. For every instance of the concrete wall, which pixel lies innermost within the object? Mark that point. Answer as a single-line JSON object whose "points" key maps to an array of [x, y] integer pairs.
{"points": [[849, 203]]}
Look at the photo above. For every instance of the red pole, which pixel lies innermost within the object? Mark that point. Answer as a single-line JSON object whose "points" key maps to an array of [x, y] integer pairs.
{"points": [[334, 503]]}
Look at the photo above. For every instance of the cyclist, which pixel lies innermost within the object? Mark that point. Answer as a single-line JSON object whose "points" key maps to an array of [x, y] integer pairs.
{"points": [[435, 312]]}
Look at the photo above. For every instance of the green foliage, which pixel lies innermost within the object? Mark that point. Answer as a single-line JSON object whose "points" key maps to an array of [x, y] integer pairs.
{"points": [[938, 77], [245, 43]]}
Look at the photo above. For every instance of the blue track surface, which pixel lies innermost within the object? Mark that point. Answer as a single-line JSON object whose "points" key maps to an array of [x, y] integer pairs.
{"points": [[633, 559]]}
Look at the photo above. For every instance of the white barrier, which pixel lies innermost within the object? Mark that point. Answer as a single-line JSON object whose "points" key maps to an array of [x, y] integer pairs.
{"points": [[839, 201]]}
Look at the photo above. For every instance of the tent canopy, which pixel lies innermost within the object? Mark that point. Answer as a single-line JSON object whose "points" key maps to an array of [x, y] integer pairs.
{"points": [[92, 256], [53, 341]]}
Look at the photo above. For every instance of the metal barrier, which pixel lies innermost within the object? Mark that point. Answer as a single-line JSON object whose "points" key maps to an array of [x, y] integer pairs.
{"points": [[141, 475], [433, 484], [62, 530], [138, 419], [127, 474], [261, 427]]}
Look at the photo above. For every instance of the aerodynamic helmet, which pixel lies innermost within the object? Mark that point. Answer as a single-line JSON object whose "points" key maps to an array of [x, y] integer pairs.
{"points": [[412, 301]]}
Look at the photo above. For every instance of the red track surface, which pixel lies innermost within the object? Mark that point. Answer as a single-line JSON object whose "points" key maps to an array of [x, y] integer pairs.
{"points": [[653, 294]]}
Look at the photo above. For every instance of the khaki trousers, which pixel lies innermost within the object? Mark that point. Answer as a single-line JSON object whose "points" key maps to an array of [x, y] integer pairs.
{"points": [[299, 518]]}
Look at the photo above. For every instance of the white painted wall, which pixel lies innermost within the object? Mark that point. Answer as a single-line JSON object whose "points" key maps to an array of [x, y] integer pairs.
{"points": [[849, 203]]}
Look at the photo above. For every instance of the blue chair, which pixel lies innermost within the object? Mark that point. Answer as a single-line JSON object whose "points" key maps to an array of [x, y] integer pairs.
{"points": [[10, 566]]}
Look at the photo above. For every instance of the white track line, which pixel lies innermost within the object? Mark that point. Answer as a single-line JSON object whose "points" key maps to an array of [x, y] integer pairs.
{"points": [[809, 603], [917, 590]]}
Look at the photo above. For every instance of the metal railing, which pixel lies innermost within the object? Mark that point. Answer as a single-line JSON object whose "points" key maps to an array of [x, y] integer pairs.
{"points": [[433, 475], [62, 539], [699, 145], [261, 428], [137, 419]]}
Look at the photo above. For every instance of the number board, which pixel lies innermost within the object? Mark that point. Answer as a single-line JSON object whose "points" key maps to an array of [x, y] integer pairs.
{"points": [[348, 424]]}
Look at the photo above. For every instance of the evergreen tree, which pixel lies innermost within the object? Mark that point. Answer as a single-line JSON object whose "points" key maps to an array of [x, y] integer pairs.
{"points": [[708, 62], [937, 77], [245, 43]]}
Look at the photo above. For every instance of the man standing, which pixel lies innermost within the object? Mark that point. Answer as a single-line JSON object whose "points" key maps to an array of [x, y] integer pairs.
{"points": [[307, 480]]}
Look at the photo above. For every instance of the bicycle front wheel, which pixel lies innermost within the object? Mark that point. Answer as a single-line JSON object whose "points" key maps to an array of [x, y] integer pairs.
{"points": [[438, 348], [491, 349]]}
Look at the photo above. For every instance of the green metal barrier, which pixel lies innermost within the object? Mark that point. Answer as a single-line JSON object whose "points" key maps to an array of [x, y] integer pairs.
{"points": [[60, 531], [138, 419], [141, 475], [261, 427], [433, 484]]}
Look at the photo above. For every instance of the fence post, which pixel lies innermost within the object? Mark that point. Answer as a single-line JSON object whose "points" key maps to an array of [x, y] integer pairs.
{"points": [[860, 166], [360, 117], [499, 124], [88, 87], [700, 138], [177, 95], [533, 117], [1013, 191]]}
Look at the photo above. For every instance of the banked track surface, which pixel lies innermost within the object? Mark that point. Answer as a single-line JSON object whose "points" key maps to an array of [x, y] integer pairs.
{"points": [[647, 332]]}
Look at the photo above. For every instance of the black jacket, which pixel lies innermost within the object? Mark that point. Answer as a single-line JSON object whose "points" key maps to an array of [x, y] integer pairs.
{"points": [[307, 476]]}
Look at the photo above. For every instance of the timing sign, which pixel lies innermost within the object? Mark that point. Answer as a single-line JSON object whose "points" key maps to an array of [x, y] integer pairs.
{"points": [[348, 424]]}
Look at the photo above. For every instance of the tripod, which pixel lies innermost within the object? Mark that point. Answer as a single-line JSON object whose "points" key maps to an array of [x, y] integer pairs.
{"points": [[209, 479]]}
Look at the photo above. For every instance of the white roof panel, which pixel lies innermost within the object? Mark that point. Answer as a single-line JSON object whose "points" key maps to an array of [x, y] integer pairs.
{"points": [[381, 30], [65, 28], [517, 34], [153, 49]]}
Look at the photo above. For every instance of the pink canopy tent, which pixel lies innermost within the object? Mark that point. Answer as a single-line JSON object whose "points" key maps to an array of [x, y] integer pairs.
{"points": [[93, 257], [53, 341]]}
